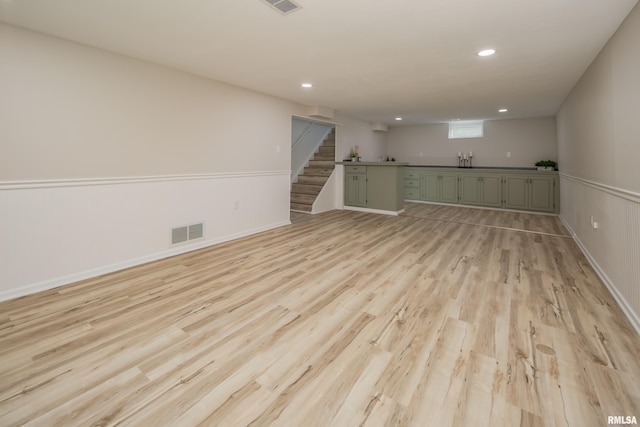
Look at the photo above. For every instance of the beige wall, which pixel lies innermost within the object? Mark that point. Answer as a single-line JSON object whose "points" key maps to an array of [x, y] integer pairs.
{"points": [[102, 155], [599, 122], [599, 148], [72, 111], [352, 132], [528, 140]]}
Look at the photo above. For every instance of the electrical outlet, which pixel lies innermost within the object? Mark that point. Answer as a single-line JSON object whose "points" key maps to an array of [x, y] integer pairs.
{"points": [[421, 154], [278, 148], [595, 225], [237, 205], [508, 154]]}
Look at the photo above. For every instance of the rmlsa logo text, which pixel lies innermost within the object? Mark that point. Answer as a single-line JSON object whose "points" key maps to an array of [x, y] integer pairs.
{"points": [[621, 419]]}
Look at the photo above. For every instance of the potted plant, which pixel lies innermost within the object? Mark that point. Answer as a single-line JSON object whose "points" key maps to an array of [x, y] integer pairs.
{"points": [[354, 155], [549, 165]]}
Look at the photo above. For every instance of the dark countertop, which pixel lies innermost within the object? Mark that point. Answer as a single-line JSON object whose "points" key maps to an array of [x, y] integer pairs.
{"points": [[477, 167], [349, 163]]}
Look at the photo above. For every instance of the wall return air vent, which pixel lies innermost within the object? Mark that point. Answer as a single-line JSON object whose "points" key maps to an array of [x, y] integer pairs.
{"points": [[284, 6]]}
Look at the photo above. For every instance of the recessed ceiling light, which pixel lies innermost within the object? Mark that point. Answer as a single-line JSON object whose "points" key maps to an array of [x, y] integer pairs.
{"points": [[306, 85], [486, 52], [398, 118], [502, 110]]}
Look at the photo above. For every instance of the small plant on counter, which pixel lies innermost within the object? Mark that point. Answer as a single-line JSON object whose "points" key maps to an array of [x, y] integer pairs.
{"points": [[546, 164], [353, 153]]}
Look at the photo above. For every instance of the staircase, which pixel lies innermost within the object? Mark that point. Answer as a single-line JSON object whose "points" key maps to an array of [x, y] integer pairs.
{"points": [[313, 178]]}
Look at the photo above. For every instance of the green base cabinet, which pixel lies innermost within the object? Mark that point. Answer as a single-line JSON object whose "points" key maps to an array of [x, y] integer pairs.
{"points": [[374, 186], [481, 190], [509, 188], [515, 192], [355, 189], [431, 187]]}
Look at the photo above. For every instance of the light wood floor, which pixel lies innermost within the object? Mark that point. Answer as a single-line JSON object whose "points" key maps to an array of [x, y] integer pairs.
{"points": [[441, 317]]}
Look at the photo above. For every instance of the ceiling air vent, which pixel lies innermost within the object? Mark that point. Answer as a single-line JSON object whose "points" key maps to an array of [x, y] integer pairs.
{"points": [[284, 6]]}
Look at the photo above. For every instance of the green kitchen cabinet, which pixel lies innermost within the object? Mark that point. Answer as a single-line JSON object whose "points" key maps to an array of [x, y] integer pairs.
{"points": [[375, 186], [481, 190], [491, 187], [531, 192], [431, 187], [355, 186]]}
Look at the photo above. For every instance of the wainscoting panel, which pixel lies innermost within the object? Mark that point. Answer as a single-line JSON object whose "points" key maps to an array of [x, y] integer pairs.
{"points": [[59, 232], [605, 222]]}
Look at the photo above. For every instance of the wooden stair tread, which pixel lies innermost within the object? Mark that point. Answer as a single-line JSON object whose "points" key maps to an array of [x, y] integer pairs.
{"points": [[302, 198], [300, 207], [311, 171], [306, 188]]}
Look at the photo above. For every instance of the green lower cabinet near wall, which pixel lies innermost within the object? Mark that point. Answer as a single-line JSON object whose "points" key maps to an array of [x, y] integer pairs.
{"points": [[374, 186], [509, 188], [482, 190], [542, 193], [355, 190], [355, 186], [442, 187]]}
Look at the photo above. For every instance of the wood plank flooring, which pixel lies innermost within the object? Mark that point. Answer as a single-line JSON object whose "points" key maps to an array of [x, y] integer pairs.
{"points": [[444, 316]]}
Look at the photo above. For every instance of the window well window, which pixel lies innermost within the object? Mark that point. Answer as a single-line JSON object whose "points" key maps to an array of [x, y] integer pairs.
{"points": [[466, 129]]}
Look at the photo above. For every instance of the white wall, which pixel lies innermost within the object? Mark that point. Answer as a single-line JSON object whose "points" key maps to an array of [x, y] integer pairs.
{"points": [[599, 148], [71, 111], [528, 140], [352, 133], [101, 155]]}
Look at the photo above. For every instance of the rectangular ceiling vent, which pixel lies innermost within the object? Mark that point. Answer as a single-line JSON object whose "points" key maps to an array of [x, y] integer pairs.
{"points": [[284, 6]]}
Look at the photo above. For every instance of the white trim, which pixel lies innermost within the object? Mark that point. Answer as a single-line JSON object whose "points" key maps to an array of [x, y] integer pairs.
{"points": [[312, 119], [620, 299], [61, 281], [85, 182], [615, 191], [376, 211]]}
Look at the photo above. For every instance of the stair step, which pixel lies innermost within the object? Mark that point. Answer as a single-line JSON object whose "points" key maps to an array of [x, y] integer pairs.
{"points": [[300, 207], [327, 150], [325, 164], [312, 180], [305, 199], [327, 158], [306, 189], [311, 171]]}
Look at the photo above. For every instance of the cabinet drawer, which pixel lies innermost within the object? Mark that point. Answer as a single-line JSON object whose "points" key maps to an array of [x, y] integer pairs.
{"points": [[412, 183], [355, 169], [412, 175], [412, 193]]}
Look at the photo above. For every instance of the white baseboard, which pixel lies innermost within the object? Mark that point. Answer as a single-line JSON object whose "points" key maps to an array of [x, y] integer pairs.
{"points": [[61, 281], [376, 211], [622, 302]]}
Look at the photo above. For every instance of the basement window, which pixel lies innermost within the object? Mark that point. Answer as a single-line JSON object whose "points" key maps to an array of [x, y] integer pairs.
{"points": [[466, 129]]}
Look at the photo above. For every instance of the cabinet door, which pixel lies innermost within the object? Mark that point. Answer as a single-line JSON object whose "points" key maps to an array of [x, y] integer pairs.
{"points": [[515, 192], [449, 188], [355, 190], [411, 193], [491, 191], [541, 193], [470, 190], [429, 188]]}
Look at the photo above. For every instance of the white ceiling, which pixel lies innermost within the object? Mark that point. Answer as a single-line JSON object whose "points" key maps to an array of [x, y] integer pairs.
{"points": [[370, 59]]}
